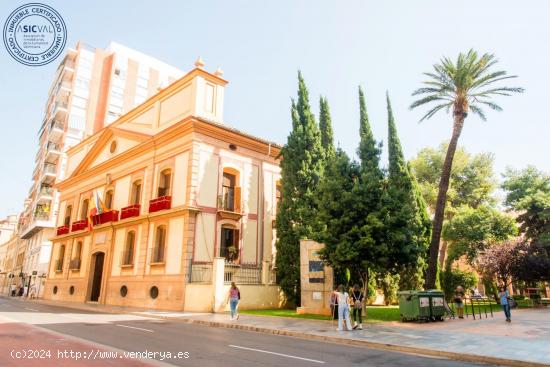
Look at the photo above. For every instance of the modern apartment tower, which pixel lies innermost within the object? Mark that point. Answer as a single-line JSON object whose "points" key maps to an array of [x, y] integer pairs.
{"points": [[91, 88]]}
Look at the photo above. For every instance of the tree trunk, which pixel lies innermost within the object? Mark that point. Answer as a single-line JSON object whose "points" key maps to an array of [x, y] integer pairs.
{"points": [[439, 215]]}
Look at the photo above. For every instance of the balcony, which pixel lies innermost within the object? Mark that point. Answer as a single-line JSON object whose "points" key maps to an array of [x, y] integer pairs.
{"points": [[79, 225], [49, 173], [45, 195], [130, 211], [160, 203], [65, 86], [35, 222], [110, 216], [53, 152], [62, 230], [59, 110], [42, 212], [57, 129], [74, 264], [229, 203]]}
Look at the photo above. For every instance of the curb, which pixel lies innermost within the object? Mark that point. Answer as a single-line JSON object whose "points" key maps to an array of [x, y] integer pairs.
{"points": [[363, 343], [474, 358]]}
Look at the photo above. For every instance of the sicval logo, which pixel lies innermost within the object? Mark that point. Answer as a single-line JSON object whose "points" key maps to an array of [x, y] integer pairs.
{"points": [[35, 34]]}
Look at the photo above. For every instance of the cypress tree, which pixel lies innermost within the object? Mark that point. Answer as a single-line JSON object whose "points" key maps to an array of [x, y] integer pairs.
{"points": [[325, 125], [367, 191], [301, 170], [335, 203], [407, 221], [361, 247]]}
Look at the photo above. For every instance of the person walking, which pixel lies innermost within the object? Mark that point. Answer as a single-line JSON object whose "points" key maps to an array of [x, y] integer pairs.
{"points": [[13, 290], [459, 301], [32, 292], [357, 299], [505, 303], [343, 308], [233, 299]]}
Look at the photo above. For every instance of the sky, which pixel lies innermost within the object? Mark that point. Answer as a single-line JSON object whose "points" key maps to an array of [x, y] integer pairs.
{"points": [[338, 45]]}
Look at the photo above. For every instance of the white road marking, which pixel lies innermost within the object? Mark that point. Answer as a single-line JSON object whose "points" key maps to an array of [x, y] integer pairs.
{"points": [[30, 309], [137, 328], [277, 354]]}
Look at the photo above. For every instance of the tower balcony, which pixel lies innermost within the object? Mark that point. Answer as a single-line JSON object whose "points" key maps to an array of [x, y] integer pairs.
{"points": [[160, 203], [110, 216]]}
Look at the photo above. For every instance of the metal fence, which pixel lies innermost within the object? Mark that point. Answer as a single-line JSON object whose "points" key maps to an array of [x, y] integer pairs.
{"points": [[242, 274], [201, 273]]}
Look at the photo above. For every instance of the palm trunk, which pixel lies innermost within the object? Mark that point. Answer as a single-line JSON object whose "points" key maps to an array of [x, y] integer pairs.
{"points": [[431, 273]]}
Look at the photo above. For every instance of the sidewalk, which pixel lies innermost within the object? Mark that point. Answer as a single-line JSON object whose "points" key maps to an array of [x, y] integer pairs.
{"points": [[524, 342]]}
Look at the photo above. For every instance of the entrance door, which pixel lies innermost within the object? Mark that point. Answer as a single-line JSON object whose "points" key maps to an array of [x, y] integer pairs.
{"points": [[97, 274]]}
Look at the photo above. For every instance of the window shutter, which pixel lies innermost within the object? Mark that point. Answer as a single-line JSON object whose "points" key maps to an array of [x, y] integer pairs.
{"points": [[237, 199], [236, 239]]}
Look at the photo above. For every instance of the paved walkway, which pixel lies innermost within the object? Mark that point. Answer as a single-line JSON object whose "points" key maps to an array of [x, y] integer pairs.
{"points": [[524, 342]]}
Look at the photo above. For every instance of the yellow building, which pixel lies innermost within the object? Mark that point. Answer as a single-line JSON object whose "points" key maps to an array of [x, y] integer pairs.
{"points": [[191, 207]]}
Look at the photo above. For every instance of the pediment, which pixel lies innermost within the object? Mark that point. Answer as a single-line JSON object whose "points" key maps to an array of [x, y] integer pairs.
{"points": [[112, 142]]}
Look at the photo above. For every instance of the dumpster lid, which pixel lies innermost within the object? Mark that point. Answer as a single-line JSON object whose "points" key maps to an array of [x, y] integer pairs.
{"points": [[407, 293]]}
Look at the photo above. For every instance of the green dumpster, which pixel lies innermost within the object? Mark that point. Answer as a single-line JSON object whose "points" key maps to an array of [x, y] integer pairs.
{"points": [[413, 305], [437, 304]]}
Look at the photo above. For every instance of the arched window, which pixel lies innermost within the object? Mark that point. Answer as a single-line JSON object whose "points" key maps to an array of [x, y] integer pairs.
{"points": [[160, 242], [60, 258], [84, 209], [77, 254], [136, 193], [109, 199], [68, 212], [164, 183], [128, 254]]}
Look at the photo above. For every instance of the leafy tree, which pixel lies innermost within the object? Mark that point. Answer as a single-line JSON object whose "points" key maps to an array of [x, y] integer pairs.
{"points": [[472, 180], [501, 260], [528, 193], [453, 278], [406, 219], [472, 231], [325, 125], [390, 285], [301, 170], [533, 263], [465, 85]]}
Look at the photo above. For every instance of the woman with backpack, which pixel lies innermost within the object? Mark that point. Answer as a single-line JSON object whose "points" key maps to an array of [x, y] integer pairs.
{"points": [[357, 299], [233, 299]]}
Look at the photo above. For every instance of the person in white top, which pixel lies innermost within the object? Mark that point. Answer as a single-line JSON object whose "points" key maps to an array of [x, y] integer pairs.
{"points": [[343, 308]]}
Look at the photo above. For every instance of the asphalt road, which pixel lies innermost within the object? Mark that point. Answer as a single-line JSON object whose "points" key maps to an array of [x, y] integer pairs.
{"points": [[204, 345]]}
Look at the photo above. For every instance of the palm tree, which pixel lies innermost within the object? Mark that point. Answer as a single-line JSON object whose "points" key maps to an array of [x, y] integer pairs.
{"points": [[465, 85]]}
